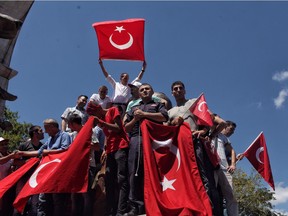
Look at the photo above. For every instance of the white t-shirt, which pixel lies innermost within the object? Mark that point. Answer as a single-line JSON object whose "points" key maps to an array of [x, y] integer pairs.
{"points": [[121, 92], [96, 98], [219, 143]]}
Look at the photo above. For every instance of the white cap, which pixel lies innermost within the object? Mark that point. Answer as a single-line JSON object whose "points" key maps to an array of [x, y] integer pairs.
{"points": [[135, 84], [3, 139]]}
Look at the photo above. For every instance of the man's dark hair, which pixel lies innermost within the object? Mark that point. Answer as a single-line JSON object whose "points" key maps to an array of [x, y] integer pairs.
{"points": [[122, 74], [85, 96], [146, 84], [33, 129], [177, 83], [74, 118], [229, 123]]}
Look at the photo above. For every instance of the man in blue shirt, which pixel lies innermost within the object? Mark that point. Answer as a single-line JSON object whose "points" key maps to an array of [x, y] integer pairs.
{"points": [[59, 141]]}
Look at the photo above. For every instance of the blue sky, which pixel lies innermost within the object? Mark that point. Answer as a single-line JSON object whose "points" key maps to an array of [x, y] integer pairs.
{"points": [[234, 52]]}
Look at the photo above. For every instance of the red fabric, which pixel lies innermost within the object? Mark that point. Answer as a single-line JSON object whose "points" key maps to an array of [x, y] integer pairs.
{"points": [[211, 152], [115, 140], [14, 177], [121, 39], [257, 154], [200, 109], [65, 172], [172, 160], [93, 109]]}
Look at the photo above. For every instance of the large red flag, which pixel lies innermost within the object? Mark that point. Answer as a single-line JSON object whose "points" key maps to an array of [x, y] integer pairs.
{"points": [[14, 177], [172, 183], [257, 154], [66, 172], [200, 109], [121, 39]]}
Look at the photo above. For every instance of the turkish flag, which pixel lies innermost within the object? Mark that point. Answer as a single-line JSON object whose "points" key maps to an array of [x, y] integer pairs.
{"points": [[211, 152], [200, 109], [66, 172], [172, 183], [257, 154], [13, 178], [121, 39]]}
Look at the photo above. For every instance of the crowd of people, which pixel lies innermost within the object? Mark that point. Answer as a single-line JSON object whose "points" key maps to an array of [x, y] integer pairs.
{"points": [[117, 146]]}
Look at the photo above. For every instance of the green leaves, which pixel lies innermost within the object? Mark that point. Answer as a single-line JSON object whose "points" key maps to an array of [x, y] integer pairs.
{"points": [[19, 132]]}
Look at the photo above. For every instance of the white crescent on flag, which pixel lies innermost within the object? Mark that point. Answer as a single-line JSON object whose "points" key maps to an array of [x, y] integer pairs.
{"points": [[33, 179], [168, 143], [259, 150], [200, 106], [122, 46]]}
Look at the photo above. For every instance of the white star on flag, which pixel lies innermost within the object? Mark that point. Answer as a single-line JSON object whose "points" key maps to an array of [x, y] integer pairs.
{"points": [[167, 184], [119, 29]]}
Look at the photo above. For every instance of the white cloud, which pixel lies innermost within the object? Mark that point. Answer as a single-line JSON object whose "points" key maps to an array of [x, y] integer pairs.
{"points": [[280, 76], [281, 98], [283, 212], [281, 194]]}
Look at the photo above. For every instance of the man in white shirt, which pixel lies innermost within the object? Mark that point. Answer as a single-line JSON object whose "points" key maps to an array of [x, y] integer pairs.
{"points": [[122, 91], [102, 98]]}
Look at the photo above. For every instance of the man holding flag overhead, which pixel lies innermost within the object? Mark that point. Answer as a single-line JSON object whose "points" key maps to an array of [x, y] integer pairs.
{"points": [[183, 112], [122, 40]]}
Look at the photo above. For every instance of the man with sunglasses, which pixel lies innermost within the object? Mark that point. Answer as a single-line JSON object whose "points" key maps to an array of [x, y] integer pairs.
{"points": [[178, 114]]}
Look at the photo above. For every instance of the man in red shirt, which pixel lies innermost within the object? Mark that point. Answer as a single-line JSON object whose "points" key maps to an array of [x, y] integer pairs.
{"points": [[116, 149]]}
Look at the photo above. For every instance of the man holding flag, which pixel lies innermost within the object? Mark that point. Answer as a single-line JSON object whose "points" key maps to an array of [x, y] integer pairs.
{"points": [[182, 112], [121, 40], [223, 176]]}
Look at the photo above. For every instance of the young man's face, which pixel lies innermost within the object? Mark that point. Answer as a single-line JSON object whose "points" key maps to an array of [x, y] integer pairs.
{"points": [[229, 130], [71, 125], [39, 133], [102, 93], [178, 91], [134, 91], [81, 102]]}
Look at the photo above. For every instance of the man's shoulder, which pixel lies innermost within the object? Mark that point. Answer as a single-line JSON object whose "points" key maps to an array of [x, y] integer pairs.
{"points": [[24, 146], [134, 102], [95, 96], [224, 138]]}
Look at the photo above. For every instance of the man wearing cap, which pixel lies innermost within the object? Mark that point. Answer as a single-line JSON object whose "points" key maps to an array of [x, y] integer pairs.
{"points": [[6, 161], [121, 92]]}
